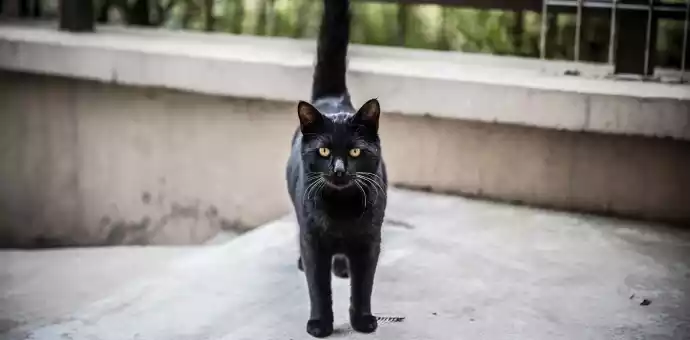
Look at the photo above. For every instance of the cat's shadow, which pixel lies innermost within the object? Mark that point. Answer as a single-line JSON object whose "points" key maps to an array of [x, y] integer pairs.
{"points": [[342, 330]]}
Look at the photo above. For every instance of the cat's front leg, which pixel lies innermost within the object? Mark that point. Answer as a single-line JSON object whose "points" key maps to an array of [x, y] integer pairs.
{"points": [[316, 261], [363, 261]]}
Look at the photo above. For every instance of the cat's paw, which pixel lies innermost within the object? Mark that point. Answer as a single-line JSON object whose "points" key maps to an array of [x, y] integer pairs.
{"points": [[363, 323], [319, 328]]}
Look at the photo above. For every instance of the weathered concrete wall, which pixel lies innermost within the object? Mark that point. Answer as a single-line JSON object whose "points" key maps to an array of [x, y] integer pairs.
{"points": [[89, 163], [640, 177]]}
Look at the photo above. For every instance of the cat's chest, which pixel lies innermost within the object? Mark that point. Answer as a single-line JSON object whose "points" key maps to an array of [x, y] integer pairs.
{"points": [[346, 219]]}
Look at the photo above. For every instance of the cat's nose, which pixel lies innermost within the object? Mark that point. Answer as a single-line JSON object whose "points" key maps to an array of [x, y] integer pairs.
{"points": [[339, 168]]}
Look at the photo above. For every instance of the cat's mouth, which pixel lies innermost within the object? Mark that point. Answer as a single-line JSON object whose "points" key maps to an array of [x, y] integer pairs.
{"points": [[339, 182]]}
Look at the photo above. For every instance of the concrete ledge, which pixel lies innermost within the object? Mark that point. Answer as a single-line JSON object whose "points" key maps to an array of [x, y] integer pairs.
{"points": [[88, 163], [449, 85]]}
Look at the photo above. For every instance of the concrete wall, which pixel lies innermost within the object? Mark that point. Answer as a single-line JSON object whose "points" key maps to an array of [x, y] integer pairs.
{"points": [[640, 177], [89, 163], [84, 163]]}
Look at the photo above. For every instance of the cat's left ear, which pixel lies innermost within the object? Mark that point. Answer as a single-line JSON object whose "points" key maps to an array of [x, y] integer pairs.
{"points": [[309, 117], [368, 114]]}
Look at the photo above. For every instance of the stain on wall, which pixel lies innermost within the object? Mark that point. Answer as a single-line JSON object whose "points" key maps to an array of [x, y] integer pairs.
{"points": [[201, 220]]}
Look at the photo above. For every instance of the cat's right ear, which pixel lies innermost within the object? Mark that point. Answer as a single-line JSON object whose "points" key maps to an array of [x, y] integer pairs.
{"points": [[310, 118]]}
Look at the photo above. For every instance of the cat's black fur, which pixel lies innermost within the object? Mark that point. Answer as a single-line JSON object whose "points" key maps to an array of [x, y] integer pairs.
{"points": [[339, 199]]}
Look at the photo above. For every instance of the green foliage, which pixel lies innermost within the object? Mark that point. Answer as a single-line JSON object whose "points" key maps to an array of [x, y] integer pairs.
{"points": [[390, 24]]}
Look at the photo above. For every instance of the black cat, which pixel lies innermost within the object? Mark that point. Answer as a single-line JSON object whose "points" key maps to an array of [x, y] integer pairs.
{"points": [[337, 182]]}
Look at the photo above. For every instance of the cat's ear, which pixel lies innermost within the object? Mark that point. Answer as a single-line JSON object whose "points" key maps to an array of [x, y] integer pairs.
{"points": [[309, 117], [368, 114]]}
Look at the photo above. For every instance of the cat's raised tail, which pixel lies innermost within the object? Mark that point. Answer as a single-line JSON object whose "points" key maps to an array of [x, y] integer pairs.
{"points": [[331, 60]]}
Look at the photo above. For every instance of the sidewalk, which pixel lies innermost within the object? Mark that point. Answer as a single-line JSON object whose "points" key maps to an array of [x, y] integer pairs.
{"points": [[454, 268]]}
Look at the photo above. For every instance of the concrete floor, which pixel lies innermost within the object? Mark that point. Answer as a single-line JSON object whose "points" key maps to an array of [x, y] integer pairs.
{"points": [[455, 268]]}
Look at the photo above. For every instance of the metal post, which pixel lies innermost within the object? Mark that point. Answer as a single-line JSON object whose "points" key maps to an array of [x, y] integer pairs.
{"points": [[686, 32], [544, 29], [76, 15], [403, 10], [635, 38], [578, 30], [24, 8], [614, 32], [648, 38], [10, 8]]}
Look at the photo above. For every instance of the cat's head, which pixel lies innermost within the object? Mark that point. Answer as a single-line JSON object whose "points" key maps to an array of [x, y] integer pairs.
{"points": [[340, 147]]}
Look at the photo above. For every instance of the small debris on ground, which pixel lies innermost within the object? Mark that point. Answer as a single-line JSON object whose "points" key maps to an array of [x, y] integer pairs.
{"points": [[632, 296], [398, 223], [434, 313], [645, 302], [390, 318]]}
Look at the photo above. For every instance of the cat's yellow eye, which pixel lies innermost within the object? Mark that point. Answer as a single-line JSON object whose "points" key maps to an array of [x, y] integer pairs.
{"points": [[354, 152], [324, 152]]}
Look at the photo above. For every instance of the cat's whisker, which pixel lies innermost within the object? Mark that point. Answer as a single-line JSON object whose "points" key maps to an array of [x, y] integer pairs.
{"points": [[311, 187], [363, 192], [319, 189], [371, 174], [306, 192], [376, 180], [313, 176], [367, 182], [373, 197], [374, 184], [379, 191], [313, 182]]}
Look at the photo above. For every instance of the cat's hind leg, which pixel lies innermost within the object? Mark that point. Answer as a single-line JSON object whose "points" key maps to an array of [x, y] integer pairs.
{"points": [[340, 266]]}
